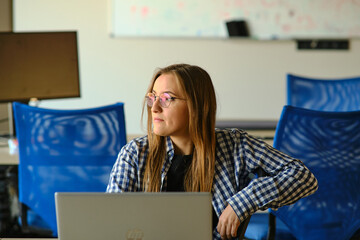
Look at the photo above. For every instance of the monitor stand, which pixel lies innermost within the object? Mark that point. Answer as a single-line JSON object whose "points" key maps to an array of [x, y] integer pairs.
{"points": [[4, 120]]}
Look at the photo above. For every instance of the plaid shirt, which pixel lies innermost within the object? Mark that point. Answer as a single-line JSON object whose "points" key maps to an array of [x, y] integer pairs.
{"points": [[238, 155]]}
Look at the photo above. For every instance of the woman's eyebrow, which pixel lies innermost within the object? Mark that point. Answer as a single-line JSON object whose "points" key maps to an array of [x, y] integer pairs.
{"points": [[168, 92]]}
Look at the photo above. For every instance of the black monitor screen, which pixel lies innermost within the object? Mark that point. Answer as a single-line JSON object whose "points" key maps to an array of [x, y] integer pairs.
{"points": [[42, 65]]}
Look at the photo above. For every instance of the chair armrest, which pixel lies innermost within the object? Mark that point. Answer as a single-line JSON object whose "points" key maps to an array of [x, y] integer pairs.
{"points": [[272, 227], [242, 228]]}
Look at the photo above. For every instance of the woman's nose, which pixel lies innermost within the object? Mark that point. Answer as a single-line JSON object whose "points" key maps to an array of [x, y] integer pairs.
{"points": [[156, 105]]}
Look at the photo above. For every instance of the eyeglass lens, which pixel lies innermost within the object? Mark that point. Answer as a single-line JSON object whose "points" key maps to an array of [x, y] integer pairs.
{"points": [[164, 99]]}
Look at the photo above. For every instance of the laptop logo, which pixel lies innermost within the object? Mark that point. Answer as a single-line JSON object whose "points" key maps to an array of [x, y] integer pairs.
{"points": [[134, 234]]}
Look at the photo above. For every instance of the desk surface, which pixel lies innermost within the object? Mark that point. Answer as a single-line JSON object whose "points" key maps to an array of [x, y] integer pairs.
{"points": [[247, 124], [13, 159], [6, 158], [265, 130]]}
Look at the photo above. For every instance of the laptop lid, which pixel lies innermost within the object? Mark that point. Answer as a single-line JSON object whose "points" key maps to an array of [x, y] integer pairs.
{"points": [[134, 216]]}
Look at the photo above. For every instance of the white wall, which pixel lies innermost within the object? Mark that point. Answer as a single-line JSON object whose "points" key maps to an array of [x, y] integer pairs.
{"points": [[249, 75]]}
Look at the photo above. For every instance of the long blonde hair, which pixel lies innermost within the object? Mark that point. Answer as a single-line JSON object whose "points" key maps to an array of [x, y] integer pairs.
{"points": [[197, 87]]}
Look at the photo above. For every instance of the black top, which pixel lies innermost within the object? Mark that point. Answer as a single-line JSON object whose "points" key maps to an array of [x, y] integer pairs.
{"points": [[175, 178]]}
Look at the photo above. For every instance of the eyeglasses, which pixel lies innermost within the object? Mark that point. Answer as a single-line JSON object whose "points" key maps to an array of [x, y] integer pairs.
{"points": [[164, 98]]}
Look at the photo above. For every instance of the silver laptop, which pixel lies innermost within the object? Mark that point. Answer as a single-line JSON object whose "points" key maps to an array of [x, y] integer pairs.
{"points": [[134, 216]]}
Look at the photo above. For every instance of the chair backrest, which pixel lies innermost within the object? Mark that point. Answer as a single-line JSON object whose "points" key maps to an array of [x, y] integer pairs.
{"points": [[324, 94], [65, 151], [329, 145]]}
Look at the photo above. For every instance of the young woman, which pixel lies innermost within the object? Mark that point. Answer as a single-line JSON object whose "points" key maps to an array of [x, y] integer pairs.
{"points": [[184, 152]]}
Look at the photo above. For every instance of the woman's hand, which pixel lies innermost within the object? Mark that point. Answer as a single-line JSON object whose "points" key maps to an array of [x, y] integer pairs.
{"points": [[228, 223]]}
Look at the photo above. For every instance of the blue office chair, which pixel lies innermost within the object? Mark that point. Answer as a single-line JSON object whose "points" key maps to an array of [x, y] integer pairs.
{"points": [[329, 145], [63, 151], [317, 94], [323, 94]]}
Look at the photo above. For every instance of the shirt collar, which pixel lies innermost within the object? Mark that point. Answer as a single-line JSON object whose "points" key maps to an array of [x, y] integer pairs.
{"points": [[170, 151]]}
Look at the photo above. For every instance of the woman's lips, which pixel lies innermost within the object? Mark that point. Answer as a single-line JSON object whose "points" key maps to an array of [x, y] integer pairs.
{"points": [[158, 120]]}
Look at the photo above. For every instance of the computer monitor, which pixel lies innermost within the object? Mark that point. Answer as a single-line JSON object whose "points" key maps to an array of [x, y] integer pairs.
{"points": [[41, 65]]}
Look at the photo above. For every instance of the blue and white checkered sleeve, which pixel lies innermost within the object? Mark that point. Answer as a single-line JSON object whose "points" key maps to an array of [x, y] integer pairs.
{"points": [[288, 180], [123, 176]]}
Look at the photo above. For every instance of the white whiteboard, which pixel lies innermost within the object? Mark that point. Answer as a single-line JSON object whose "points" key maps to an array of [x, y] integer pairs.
{"points": [[267, 19]]}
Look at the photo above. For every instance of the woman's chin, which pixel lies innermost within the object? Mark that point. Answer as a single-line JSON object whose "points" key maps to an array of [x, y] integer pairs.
{"points": [[159, 132]]}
